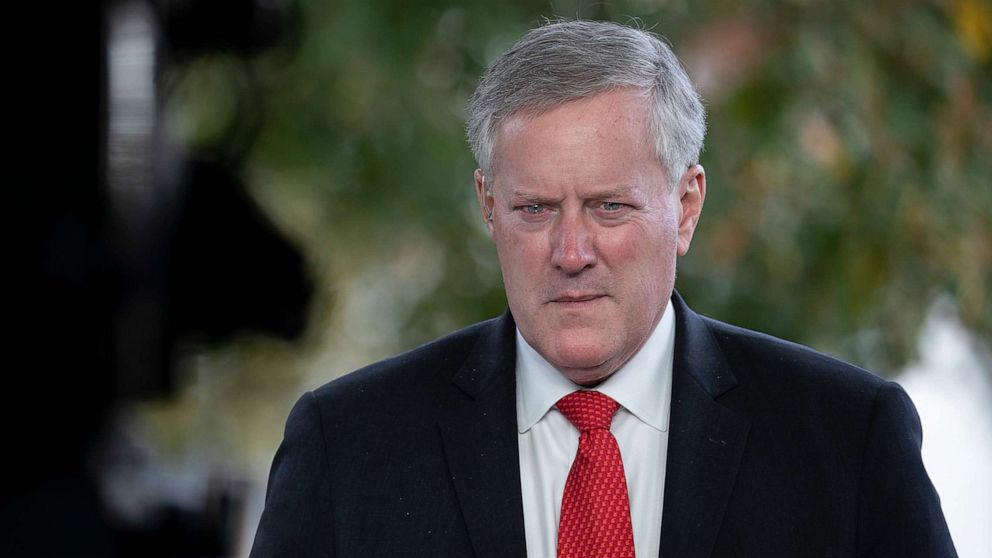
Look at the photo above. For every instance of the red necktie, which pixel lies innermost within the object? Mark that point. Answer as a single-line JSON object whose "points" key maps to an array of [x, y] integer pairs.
{"points": [[595, 512]]}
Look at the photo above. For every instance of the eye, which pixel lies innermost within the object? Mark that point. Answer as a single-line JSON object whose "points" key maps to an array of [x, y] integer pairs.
{"points": [[533, 209], [612, 210]]}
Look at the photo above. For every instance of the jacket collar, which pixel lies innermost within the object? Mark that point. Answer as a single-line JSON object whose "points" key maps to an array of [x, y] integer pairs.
{"points": [[479, 433], [705, 443]]}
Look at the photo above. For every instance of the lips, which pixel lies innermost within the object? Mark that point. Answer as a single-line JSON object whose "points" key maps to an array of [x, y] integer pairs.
{"points": [[577, 297]]}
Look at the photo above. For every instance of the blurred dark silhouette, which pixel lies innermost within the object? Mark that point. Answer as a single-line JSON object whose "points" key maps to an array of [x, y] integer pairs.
{"points": [[123, 245]]}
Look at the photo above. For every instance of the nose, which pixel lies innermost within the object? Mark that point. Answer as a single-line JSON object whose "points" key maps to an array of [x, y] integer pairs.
{"points": [[572, 248]]}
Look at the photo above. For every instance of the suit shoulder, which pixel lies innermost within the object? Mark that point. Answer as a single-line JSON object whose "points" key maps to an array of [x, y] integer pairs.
{"points": [[422, 368], [765, 357]]}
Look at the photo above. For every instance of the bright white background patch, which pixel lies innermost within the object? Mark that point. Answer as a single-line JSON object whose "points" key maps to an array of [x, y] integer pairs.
{"points": [[951, 385]]}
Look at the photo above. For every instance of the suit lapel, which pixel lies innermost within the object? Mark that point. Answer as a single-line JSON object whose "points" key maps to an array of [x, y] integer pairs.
{"points": [[480, 442], [705, 442]]}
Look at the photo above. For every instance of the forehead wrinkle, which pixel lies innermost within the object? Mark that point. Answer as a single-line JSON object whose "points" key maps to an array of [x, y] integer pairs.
{"points": [[618, 191]]}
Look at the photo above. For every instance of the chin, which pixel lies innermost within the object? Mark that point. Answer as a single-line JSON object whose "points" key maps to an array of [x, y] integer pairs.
{"points": [[585, 363], [587, 378]]}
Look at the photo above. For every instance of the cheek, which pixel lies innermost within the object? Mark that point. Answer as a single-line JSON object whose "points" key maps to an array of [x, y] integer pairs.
{"points": [[646, 256], [528, 245], [521, 258]]}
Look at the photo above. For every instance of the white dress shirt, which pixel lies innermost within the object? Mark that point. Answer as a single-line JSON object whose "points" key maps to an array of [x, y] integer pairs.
{"points": [[548, 442]]}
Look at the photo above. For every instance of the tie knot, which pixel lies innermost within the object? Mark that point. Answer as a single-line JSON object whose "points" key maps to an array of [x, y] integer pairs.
{"points": [[588, 410]]}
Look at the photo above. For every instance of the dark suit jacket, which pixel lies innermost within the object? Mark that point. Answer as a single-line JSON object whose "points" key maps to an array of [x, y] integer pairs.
{"points": [[774, 450]]}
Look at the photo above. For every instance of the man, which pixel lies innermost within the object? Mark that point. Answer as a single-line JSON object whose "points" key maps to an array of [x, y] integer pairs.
{"points": [[599, 416]]}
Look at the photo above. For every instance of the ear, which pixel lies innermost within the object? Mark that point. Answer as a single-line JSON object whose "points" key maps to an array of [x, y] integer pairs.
{"points": [[691, 192], [487, 203]]}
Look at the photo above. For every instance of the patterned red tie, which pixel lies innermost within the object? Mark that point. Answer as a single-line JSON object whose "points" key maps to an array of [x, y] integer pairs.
{"points": [[595, 512]]}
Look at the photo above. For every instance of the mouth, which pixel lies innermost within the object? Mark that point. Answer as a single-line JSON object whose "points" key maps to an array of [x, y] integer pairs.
{"points": [[577, 298]]}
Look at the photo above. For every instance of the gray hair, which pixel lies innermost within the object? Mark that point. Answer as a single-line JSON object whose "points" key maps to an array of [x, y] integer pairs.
{"points": [[569, 60]]}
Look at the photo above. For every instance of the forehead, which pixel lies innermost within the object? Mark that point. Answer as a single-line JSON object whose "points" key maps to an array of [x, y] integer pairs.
{"points": [[616, 113], [593, 138]]}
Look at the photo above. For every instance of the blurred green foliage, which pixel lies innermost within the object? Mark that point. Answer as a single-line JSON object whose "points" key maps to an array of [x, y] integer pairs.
{"points": [[849, 160]]}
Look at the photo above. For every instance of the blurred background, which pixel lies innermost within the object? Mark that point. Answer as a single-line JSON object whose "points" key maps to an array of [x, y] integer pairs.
{"points": [[220, 205]]}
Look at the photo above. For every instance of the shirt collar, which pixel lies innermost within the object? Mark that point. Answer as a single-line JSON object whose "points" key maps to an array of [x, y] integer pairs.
{"points": [[643, 385]]}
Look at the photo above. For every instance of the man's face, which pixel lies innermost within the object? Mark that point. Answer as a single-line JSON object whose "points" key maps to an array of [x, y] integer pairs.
{"points": [[587, 230]]}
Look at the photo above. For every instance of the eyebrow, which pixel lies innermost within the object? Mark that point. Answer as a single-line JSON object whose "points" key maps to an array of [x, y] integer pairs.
{"points": [[529, 197], [615, 192]]}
